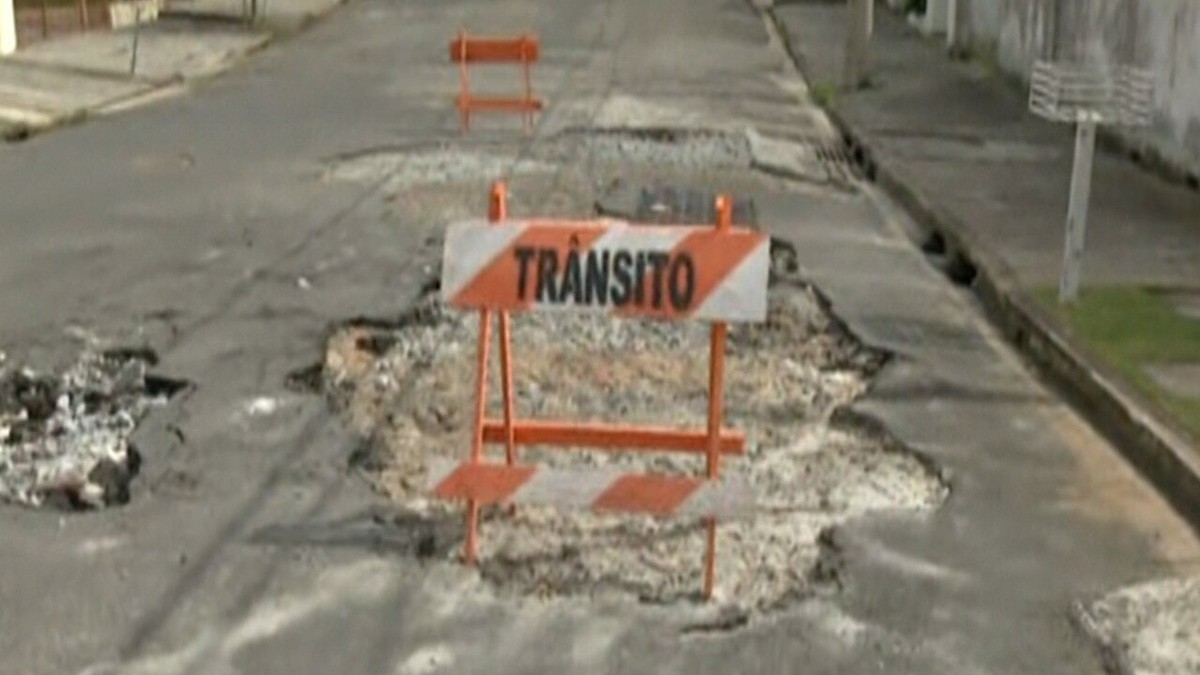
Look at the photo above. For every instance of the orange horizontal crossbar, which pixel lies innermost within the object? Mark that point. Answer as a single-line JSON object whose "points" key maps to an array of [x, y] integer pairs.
{"points": [[605, 436], [513, 103], [471, 49]]}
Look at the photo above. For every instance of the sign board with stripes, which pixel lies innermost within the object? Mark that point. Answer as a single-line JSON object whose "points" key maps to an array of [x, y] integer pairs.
{"points": [[662, 272]]}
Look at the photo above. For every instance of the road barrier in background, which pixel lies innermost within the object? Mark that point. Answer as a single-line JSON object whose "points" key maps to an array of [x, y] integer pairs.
{"points": [[524, 50], [685, 272]]}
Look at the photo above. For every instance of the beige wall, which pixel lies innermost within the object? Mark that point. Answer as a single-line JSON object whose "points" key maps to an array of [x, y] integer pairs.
{"points": [[1160, 35]]}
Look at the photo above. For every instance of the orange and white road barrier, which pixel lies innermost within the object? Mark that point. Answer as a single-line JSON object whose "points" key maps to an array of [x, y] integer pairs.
{"points": [[713, 273], [523, 50]]}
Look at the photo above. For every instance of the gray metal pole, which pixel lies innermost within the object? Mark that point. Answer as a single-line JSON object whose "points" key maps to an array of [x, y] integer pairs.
{"points": [[952, 24], [858, 38], [137, 28], [1077, 210]]}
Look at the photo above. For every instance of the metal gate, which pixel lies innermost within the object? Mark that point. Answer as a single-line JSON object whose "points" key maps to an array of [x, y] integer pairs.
{"points": [[40, 20]]}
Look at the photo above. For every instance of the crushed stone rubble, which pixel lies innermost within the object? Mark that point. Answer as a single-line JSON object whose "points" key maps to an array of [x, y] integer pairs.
{"points": [[684, 150], [1152, 628], [409, 391], [65, 439]]}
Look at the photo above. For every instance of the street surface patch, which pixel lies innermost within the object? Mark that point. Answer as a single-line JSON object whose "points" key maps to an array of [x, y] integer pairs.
{"points": [[64, 439], [1148, 629]]}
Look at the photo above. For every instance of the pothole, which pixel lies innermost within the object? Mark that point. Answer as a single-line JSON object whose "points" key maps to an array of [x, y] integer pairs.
{"points": [[64, 439], [808, 160], [1148, 629], [407, 388], [687, 149]]}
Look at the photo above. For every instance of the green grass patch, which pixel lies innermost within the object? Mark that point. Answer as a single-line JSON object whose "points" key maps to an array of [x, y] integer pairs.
{"points": [[1130, 328], [824, 94]]}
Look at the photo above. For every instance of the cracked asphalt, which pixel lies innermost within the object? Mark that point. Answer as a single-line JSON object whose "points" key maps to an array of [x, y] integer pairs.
{"points": [[205, 227]]}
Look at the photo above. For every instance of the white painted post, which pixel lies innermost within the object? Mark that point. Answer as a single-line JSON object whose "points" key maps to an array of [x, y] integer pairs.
{"points": [[859, 17], [1077, 209], [8, 28], [952, 24]]}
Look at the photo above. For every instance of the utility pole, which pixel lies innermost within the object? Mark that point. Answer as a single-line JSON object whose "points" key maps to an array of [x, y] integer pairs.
{"points": [[8, 28], [952, 25], [860, 18]]}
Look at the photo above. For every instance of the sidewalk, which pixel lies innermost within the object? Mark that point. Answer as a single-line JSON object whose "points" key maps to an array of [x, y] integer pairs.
{"points": [[60, 81], [955, 143], [276, 16]]}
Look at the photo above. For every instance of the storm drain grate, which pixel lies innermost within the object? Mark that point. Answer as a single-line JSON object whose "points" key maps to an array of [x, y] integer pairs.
{"points": [[836, 158]]}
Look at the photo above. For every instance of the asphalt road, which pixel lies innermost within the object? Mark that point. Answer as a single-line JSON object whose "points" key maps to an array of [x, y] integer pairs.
{"points": [[250, 548]]}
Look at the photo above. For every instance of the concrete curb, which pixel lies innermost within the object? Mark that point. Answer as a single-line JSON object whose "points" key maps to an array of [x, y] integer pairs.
{"points": [[1134, 425]]}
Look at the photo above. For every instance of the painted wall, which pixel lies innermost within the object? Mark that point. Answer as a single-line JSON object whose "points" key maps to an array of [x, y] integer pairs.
{"points": [[8, 28], [1160, 35]]}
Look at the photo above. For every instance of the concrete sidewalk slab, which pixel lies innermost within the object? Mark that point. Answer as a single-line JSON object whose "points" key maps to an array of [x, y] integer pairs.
{"points": [[36, 96], [956, 145], [1182, 379], [169, 50], [275, 15]]}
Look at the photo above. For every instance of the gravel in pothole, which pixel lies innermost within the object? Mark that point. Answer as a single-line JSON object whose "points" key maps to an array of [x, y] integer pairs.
{"points": [[1149, 629], [409, 390], [687, 150], [64, 439]]}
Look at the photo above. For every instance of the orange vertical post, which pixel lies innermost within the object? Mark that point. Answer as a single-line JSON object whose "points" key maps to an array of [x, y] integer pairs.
{"points": [[528, 84], [485, 338], [716, 388], [498, 211], [464, 81]]}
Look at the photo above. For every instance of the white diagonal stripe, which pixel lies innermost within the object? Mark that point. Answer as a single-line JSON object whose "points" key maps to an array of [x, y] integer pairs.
{"points": [[471, 245], [742, 295], [566, 488], [726, 498], [640, 238]]}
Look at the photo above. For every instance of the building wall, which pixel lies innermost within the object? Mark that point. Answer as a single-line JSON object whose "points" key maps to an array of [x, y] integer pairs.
{"points": [[1160, 35]]}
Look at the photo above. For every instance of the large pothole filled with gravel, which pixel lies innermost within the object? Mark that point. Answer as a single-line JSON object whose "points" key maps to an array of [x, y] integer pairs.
{"points": [[64, 438], [1152, 628], [407, 387]]}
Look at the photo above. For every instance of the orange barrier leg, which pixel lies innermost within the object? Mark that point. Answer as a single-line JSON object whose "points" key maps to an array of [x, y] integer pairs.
{"points": [[716, 387], [506, 376], [528, 96], [497, 211], [485, 338], [464, 80]]}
